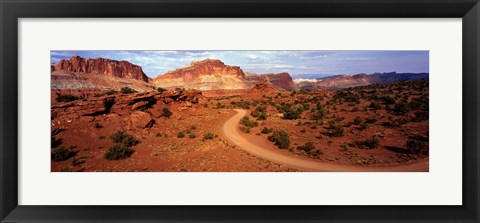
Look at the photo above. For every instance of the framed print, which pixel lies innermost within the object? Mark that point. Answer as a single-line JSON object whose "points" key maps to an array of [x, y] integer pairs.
{"points": [[239, 111]]}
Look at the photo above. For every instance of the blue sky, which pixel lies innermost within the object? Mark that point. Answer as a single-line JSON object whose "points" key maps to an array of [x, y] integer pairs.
{"points": [[154, 63]]}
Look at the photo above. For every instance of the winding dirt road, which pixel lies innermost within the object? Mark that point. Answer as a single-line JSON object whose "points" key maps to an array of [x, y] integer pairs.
{"points": [[232, 133]]}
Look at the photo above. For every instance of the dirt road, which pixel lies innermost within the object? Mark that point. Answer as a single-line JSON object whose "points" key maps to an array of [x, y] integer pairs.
{"points": [[232, 133]]}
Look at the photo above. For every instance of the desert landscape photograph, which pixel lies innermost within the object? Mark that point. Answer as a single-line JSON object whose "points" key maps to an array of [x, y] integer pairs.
{"points": [[239, 111]]}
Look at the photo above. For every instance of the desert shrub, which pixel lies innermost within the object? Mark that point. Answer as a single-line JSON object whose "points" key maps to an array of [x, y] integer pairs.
{"points": [[110, 92], [417, 147], [262, 116], [208, 136], [66, 98], [303, 130], [77, 162], [118, 151], [180, 135], [192, 136], [367, 144], [374, 105], [102, 137], [388, 100], [292, 114], [348, 124], [280, 138], [308, 146], [355, 109], [118, 136], [248, 123], [401, 108], [127, 90], [336, 131], [363, 126], [98, 126], [266, 130], [55, 142], [62, 154], [219, 105], [370, 120], [421, 116], [245, 129], [161, 90], [357, 120], [130, 141], [193, 127], [124, 138], [166, 113], [241, 104]]}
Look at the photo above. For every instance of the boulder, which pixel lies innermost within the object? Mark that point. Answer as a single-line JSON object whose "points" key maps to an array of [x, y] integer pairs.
{"points": [[139, 120]]}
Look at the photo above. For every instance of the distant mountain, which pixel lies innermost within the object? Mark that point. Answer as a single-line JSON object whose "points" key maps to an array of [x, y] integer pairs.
{"points": [[310, 76], [345, 81]]}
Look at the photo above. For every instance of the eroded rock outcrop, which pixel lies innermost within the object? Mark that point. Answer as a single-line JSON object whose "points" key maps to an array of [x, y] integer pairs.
{"points": [[207, 74], [102, 66]]}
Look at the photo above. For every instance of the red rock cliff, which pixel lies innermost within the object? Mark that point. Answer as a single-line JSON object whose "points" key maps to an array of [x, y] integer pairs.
{"points": [[209, 74], [280, 80], [114, 68]]}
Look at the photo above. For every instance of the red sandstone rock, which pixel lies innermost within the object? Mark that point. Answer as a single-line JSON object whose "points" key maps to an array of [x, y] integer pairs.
{"points": [[113, 68], [139, 120]]}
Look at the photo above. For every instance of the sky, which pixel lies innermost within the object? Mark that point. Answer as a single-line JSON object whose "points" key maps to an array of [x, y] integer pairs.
{"points": [[297, 63]]}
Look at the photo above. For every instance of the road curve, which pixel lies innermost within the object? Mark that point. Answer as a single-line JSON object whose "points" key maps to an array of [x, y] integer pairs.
{"points": [[233, 134]]}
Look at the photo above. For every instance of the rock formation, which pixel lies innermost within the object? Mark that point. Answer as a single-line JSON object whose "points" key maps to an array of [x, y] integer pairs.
{"points": [[280, 80], [207, 74], [113, 68]]}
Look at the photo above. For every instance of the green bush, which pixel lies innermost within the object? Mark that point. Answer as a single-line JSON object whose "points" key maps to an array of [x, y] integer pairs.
{"points": [[292, 114], [130, 141], [417, 147], [337, 131], [127, 90], [280, 138], [161, 90], [118, 151], [401, 108], [367, 144], [374, 105], [308, 146], [110, 92], [357, 120], [180, 135], [363, 126], [166, 113], [55, 142], [248, 123], [266, 130], [370, 120], [62, 154], [421, 116], [208, 136], [124, 138], [192, 135]]}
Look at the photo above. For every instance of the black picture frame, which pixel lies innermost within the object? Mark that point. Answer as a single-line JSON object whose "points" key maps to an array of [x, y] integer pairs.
{"points": [[11, 11]]}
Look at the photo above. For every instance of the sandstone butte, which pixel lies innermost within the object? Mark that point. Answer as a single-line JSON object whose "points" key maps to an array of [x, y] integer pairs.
{"points": [[113, 68]]}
